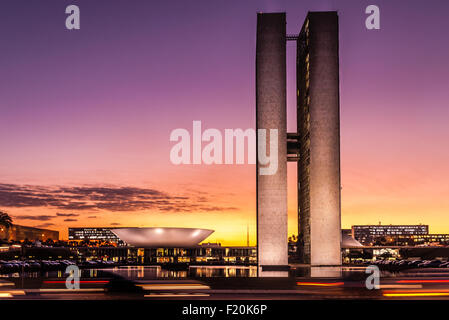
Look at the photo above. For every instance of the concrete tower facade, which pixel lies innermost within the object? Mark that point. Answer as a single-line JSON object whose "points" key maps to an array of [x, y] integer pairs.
{"points": [[271, 114], [315, 146], [319, 140]]}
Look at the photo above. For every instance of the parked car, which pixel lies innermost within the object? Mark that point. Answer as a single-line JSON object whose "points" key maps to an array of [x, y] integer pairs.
{"points": [[430, 264], [415, 263]]}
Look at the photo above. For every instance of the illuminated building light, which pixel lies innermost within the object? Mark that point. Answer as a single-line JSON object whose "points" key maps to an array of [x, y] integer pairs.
{"points": [[196, 233]]}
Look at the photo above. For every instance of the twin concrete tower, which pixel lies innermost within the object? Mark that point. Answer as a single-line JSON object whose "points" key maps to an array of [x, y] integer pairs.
{"points": [[315, 146]]}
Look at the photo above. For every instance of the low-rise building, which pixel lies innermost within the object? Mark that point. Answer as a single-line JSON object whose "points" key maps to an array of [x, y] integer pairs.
{"points": [[372, 234], [21, 233]]}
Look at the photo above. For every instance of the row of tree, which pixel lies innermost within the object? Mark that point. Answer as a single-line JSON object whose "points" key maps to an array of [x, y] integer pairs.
{"points": [[5, 220]]}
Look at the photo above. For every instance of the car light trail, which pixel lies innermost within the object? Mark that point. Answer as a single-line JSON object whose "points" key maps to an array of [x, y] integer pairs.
{"points": [[424, 281], [417, 294], [81, 281], [174, 286], [320, 284], [170, 295], [5, 284], [70, 290], [11, 293], [400, 286]]}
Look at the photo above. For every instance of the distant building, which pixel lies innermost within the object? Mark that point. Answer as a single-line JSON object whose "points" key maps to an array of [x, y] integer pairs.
{"points": [[20, 233], [423, 240], [94, 234], [370, 234], [348, 241], [158, 245]]}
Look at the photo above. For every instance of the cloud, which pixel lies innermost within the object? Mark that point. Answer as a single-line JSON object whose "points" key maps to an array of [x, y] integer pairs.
{"points": [[101, 198], [38, 217], [70, 220], [91, 217], [67, 214], [115, 224], [45, 225]]}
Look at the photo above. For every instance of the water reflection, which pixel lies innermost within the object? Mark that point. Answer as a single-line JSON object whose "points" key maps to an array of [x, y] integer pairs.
{"points": [[158, 272], [150, 272], [227, 272]]}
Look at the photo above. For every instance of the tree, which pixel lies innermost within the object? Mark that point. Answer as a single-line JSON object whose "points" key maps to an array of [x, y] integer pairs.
{"points": [[5, 220]]}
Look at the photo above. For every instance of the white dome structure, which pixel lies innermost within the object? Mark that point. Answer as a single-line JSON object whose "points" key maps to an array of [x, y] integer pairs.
{"points": [[162, 237], [348, 241]]}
